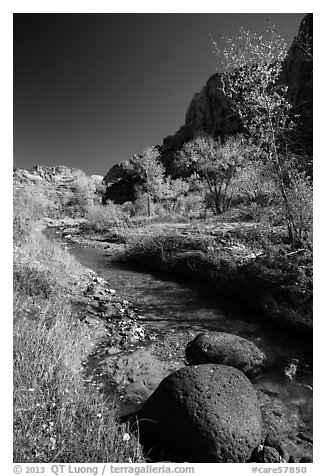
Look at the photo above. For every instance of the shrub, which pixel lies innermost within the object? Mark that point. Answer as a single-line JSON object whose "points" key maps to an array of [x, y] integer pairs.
{"points": [[30, 204], [87, 190], [128, 209], [102, 217], [253, 185], [194, 204], [33, 281], [299, 214], [141, 205]]}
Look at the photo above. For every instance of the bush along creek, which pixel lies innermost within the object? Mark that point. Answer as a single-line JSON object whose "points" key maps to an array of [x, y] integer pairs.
{"points": [[199, 377]]}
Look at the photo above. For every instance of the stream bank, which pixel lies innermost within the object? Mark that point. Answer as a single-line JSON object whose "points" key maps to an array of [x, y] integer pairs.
{"points": [[172, 312], [274, 281]]}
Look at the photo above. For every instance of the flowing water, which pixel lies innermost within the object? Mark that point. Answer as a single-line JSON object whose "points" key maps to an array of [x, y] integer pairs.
{"points": [[167, 303], [170, 302]]}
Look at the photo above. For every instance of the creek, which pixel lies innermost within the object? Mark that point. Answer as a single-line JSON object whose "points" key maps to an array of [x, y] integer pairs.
{"points": [[167, 303]]}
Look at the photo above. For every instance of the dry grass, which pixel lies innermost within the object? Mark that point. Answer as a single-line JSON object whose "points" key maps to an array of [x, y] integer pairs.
{"points": [[58, 415], [101, 218], [277, 282]]}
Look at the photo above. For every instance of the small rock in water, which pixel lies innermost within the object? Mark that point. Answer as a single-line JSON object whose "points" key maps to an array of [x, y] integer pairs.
{"points": [[269, 454], [272, 441], [113, 350], [291, 369]]}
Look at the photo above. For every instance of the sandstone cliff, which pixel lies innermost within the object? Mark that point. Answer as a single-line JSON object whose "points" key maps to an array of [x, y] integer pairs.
{"points": [[210, 113], [297, 75], [55, 187]]}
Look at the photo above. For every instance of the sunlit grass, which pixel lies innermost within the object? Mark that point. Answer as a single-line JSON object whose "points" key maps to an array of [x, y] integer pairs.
{"points": [[58, 415]]}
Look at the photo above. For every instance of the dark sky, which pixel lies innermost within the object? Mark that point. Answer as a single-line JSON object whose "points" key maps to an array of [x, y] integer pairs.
{"points": [[91, 90]]}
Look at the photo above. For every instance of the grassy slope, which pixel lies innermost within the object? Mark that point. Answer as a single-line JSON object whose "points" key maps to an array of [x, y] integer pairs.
{"points": [[57, 415]]}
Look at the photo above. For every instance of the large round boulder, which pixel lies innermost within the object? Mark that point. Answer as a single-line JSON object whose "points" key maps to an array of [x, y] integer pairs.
{"points": [[204, 413], [226, 349]]}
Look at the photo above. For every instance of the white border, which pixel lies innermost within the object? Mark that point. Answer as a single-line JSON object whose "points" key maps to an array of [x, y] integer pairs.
{"points": [[99, 6]]}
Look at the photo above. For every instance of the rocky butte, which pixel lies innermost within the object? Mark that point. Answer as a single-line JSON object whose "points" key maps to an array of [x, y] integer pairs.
{"points": [[56, 186], [209, 112]]}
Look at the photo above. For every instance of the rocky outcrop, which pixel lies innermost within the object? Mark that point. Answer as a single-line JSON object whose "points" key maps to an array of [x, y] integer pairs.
{"points": [[49, 185], [53, 186], [115, 173], [122, 181], [51, 180], [124, 189], [209, 111], [297, 76], [226, 349], [206, 413]]}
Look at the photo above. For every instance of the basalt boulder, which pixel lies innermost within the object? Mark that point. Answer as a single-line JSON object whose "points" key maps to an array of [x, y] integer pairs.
{"points": [[226, 349], [206, 413]]}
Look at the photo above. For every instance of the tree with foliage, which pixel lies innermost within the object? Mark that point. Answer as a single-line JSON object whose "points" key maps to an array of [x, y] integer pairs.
{"points": [[151, 171], [83, 193], [87, 190], [171, 191], [216, 164], [252, 66], [98, 186], [253, 185]]}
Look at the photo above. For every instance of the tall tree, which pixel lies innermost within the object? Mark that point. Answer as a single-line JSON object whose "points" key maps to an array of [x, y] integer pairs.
{"points": [[150, 169], [252, 67], [215, 163]]}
